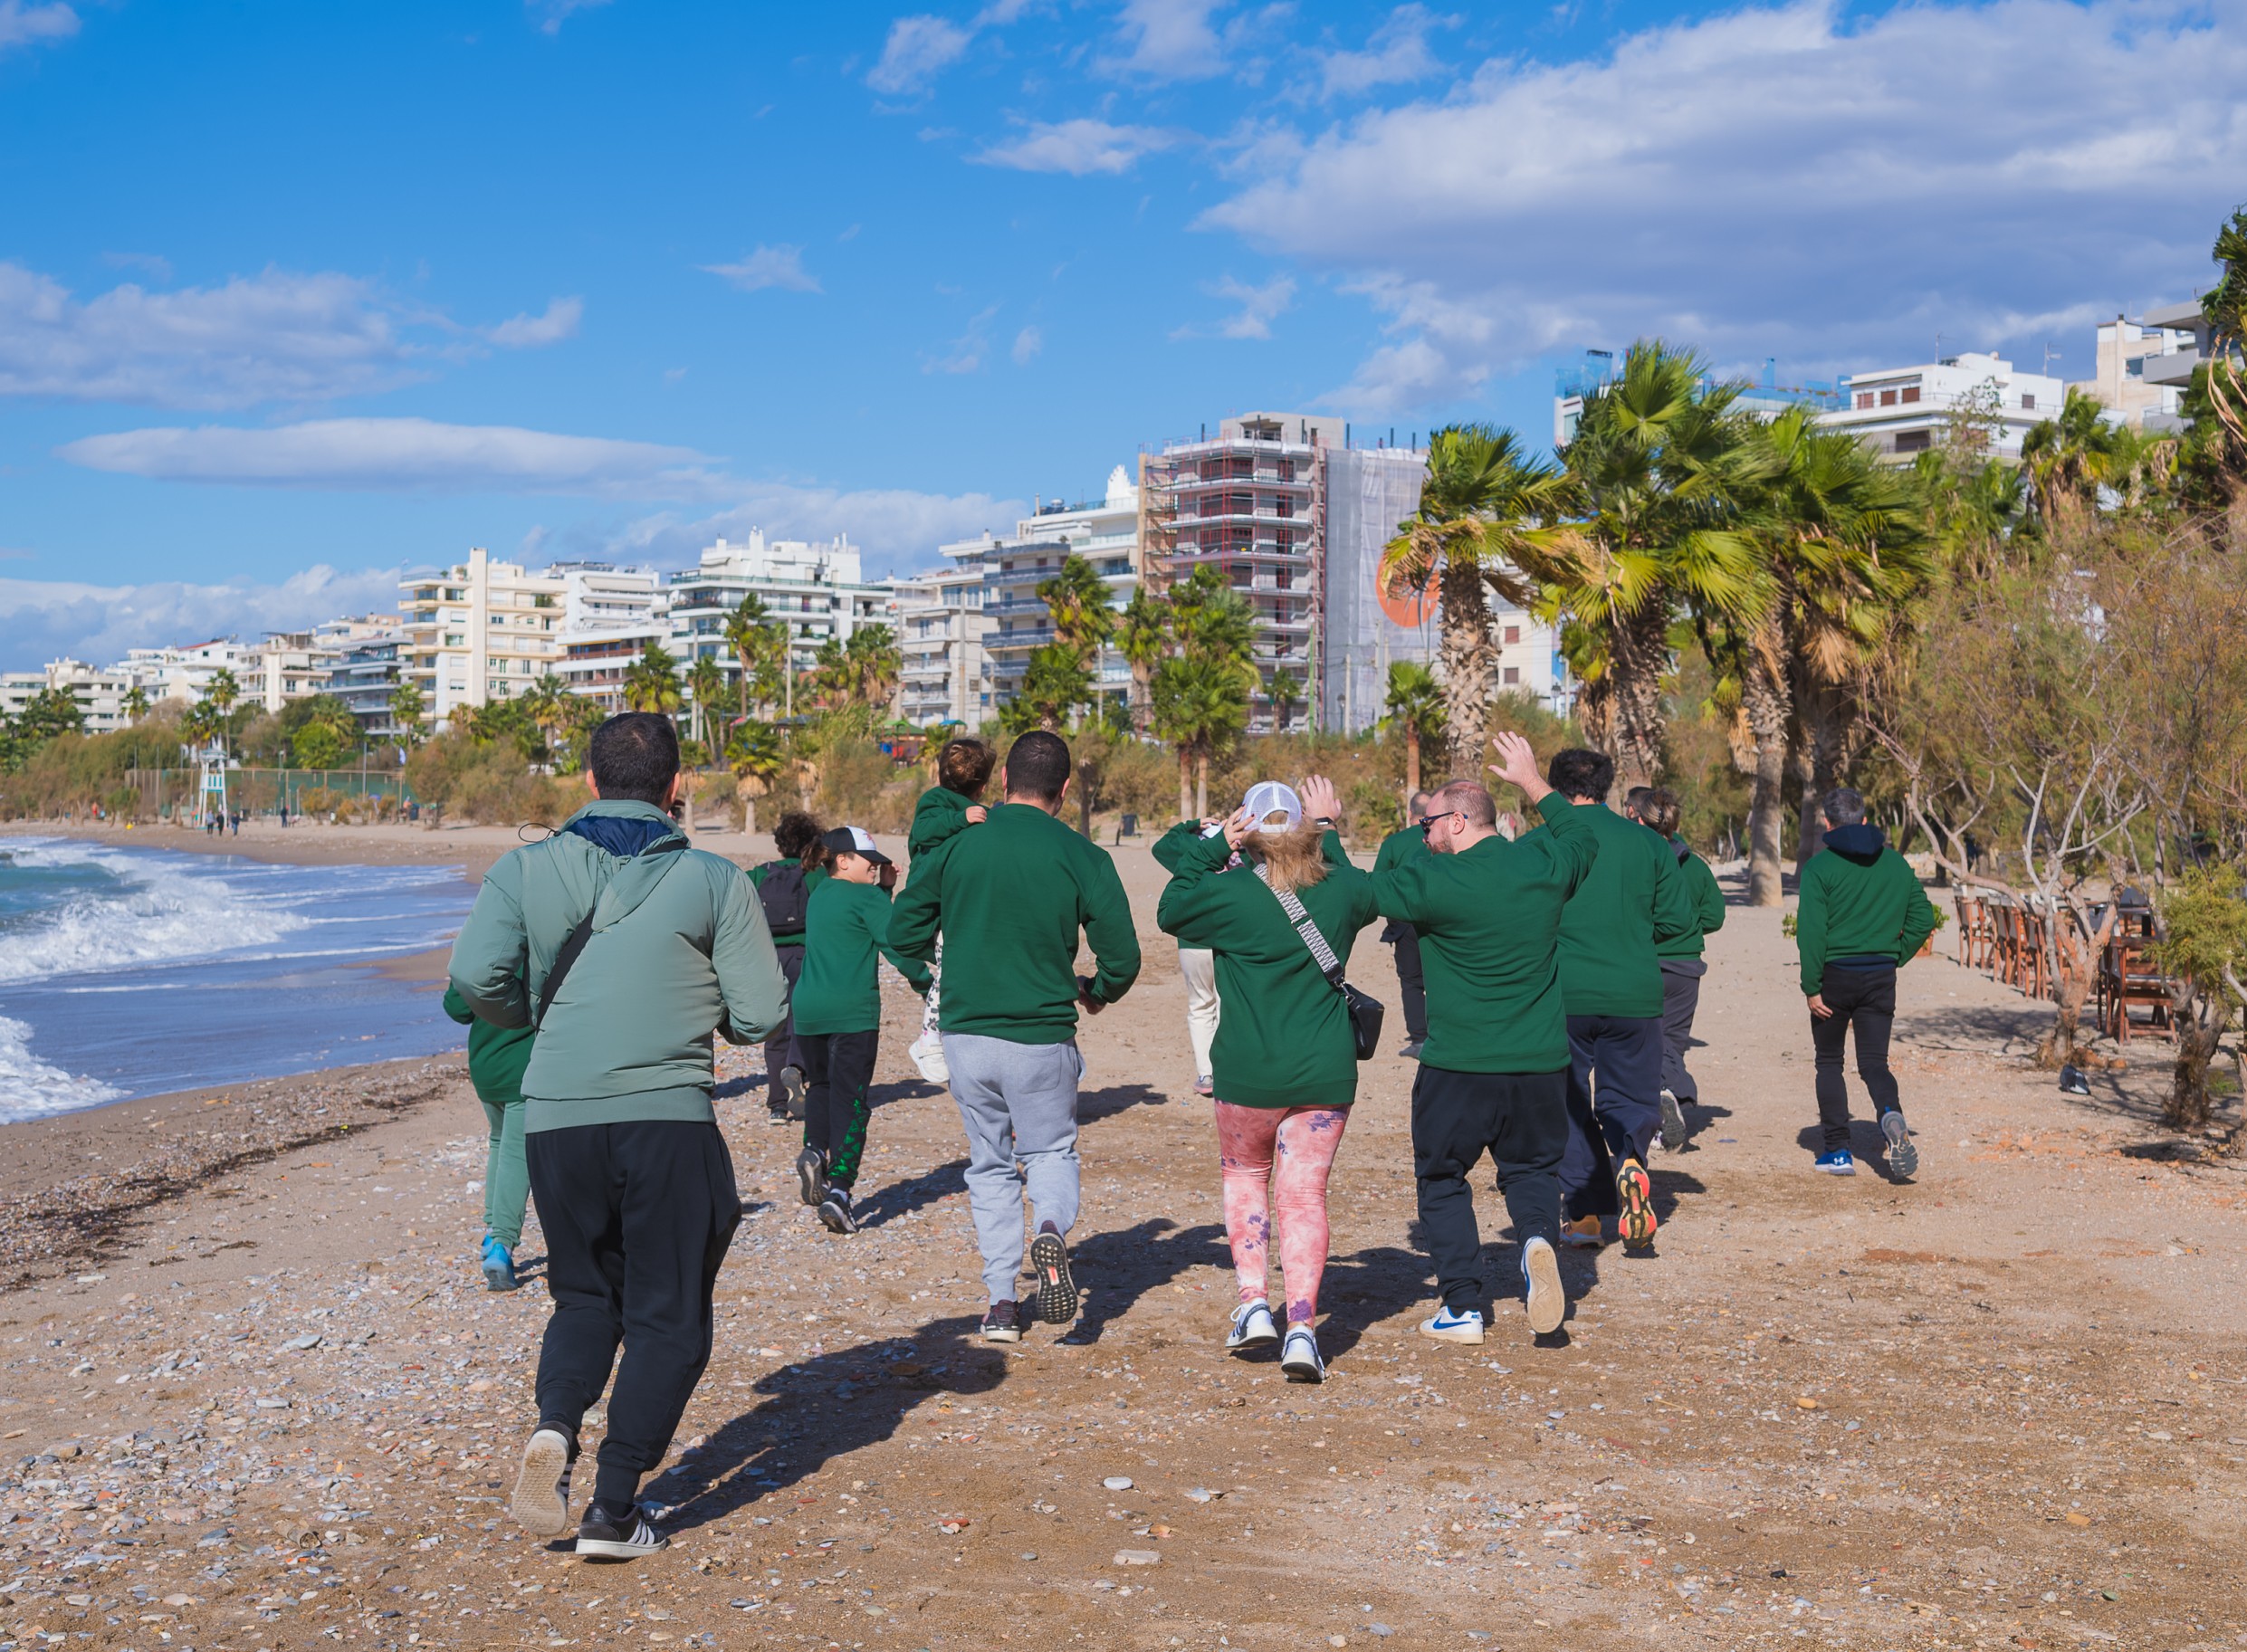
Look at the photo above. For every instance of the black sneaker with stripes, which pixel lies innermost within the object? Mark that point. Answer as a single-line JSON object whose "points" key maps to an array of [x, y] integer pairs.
{"points": [[610, 1535]]}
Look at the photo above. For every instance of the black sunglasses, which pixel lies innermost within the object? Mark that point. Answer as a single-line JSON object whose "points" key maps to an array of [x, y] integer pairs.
{"points": [[1429, 820]]}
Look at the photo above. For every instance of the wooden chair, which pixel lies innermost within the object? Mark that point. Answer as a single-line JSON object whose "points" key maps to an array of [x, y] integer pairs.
{"points": [[2135, 982], [2034, 968], [2005, 942], [1973, 930]]}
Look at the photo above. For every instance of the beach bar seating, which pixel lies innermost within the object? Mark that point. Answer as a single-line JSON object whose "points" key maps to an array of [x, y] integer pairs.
{"points": [[2130, 980]]}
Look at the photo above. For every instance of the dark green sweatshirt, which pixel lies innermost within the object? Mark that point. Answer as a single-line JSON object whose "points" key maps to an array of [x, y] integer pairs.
{"points": [[1399, 847], [840, 989], [1708, 904], [1860, 899], [941, 813], [1489, 923], [1009, 898], [812, 880], [496, 1055], [1285, 1038], [1634, 900]]}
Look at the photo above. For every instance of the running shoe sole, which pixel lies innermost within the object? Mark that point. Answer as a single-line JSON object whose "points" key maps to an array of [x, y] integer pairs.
{"points": [[1903, 1156], [1259, 1332], [1637, 1193], [1470, 1333], [1298, 1366], [1673, 1125], [1002, 1333], [793, 1089], [1056, 1288], [540, 1504], [1547, 1300], [608, 1549], [838, 1217], [811, 1166], [501, 1279]]}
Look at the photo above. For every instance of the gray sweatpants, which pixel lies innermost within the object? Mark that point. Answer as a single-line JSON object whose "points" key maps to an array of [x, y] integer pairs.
{"points": [[1681, 996], [1018, 1103]]}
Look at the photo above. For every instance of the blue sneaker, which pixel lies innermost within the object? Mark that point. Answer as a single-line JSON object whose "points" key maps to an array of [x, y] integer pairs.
{"points": [[499, 1267], [1449, 1327], [1837, 1163]]}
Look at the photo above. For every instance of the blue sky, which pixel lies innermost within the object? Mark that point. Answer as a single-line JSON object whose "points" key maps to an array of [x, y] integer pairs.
{"points": [[292, 295]]}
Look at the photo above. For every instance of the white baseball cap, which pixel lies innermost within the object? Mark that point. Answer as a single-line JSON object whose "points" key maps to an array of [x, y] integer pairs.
{"points": [[1267, 798], [852, 840]]}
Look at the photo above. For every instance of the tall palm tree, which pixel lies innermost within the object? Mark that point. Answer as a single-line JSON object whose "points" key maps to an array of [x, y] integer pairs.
{"points": [[756, 755], [1416, 708], [1142, 636], [748, 633], [546, 702], [408, 707], [705, 684], [1483, 512], [135, 704], [1055, 681], [875, 662], [222, 694], [1655, 473], [1077, 600], [651, 682], [1201, 707]]}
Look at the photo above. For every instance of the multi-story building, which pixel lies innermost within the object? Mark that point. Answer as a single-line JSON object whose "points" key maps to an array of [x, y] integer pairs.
{"points": [[366, 657], [1104, 532], [99, 694], [287, 665], [599, 597], [942, 629], [1766, 398], [2143, 367], [184, 674], [479, 631], [815, 590], [593, 663], [1902, 412]]}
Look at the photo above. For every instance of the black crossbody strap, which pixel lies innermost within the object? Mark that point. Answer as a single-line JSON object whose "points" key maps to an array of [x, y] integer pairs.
{"points": [[1305, 926], [574, 942]]}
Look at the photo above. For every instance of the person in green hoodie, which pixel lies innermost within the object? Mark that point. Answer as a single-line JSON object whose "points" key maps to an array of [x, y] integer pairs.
{"points": [[496, 1058], [838, 1018], [1635, 899], [1402, 939], [628, 951], [1860, 916], [1657, 809], [954, 804], [784, 889], [1494, 1077], [1009, 899], [1284, 1059]]}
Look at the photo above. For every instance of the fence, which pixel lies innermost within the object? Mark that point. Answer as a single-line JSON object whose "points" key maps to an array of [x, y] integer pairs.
{"points": [[173, 792]]}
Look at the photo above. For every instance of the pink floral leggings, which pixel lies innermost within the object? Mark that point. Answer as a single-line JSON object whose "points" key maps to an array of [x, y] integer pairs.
{"points": [[1283, 1155]]}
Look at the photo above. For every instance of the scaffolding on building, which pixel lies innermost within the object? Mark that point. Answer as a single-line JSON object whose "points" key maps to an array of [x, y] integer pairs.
{"points": [[1158, 520]]}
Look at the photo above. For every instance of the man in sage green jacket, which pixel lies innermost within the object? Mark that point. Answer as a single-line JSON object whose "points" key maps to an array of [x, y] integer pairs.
{"points": [[626, 950]]}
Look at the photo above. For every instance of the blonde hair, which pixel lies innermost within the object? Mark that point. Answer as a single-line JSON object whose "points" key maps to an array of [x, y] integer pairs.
{"points": [[1291, 860]]}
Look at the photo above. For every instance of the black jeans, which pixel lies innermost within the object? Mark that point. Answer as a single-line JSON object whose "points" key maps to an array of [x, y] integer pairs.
{"points": [[1614, 1106], [837, 1069], [1681, 999], [1411, 984], [781, 1049], [1865, 999], [638, 1218], [1521, 1121]]}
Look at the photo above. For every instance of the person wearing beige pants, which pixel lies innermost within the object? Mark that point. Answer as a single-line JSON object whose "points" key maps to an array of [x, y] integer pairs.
{"points": [[1199, 966]]}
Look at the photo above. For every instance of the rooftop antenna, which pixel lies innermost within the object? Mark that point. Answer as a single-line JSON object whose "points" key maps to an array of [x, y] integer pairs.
{"points": [[2050, 356]]}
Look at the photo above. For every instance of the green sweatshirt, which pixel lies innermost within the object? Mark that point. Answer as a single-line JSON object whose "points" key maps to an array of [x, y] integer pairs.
{"points": [[1708, 904], [812, 880], [678, 948], [1489, 923], [1860, 899], [1634, 900], [840, 989], [941, 813], [1399, 847], [1009, 898], [1285, 1039], [496, 1055]]}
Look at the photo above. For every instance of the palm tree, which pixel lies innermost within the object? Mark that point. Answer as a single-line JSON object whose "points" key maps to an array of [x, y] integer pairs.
{"points": [[1055, 683], [1655, 474], [1285, 693], [875, 662], [221, 694], [1142, 636], [705, 683], [135, 704], [547, 703], [1479, 527], [748, 633], [756, 755], [651, 682], [1416, 708], [406, 710], [1201, 707], [1077, 601]]}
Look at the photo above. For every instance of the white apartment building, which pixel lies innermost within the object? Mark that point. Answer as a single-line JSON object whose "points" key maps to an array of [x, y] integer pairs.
{"points": [[1104, 531], [479, 631], [287, 665], [184, 674], [598, 596], [942, 632], [100, 693], [365, 656], [817, 590], [1902, 412], [593, 663]]}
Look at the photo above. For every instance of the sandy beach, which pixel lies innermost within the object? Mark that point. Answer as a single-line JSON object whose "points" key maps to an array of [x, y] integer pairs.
{"points": [[256, 1397]]}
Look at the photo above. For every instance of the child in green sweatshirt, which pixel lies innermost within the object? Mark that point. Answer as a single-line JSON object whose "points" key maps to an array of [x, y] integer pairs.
{"points": [[838, 1018], [497, 1057], [964, 768]]}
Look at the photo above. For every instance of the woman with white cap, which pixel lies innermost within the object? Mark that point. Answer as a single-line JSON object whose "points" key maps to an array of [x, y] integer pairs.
{"points": [[1285, 1061]]}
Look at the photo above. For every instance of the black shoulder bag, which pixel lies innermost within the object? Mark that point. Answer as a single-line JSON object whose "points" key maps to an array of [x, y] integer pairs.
{"points": [[1365, 1013], [573, 943]]}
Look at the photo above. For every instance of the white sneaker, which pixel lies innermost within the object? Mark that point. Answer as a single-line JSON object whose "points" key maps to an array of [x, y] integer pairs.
{"points": [[1449, 1327], [1541, 1279], [1252, 1327], [1299, 1356], [928, 1055], [540, 1504]]}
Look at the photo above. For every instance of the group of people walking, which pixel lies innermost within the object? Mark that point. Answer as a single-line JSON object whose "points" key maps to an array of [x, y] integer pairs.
{"points": [[1549, 993]]}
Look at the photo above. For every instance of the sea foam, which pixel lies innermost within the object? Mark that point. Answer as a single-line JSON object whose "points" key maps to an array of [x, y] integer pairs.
{"points": [[131, 912]]}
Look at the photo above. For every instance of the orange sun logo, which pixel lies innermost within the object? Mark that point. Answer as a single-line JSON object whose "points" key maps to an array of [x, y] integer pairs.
{"points": [[1408, 603]]}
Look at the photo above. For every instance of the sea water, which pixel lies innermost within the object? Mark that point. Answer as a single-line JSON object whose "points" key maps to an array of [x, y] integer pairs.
{"points": [[131, 972]]}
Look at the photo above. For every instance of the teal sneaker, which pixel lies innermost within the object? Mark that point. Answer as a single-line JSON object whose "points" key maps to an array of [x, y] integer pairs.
{"points": [[499, 1267]]}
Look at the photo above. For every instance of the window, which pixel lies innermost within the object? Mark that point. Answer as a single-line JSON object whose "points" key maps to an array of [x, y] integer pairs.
{"points": [[1888, 399], [1513, 676], [1912, 393], [1864, 399], [1512, 633], [1913, 440], [2028, 401]]}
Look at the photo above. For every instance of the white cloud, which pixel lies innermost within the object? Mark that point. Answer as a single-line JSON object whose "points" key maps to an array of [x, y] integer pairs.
{"points": [[1396, 51], [1171, 40], [1259, 308], [276, 337], [1027, 344], [552, 14], [769, 266], [917, 50], [897, 527], [1985, 171], [1077, 147], [413, 455], [535, 332], [45, 619], [23, 25]]}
